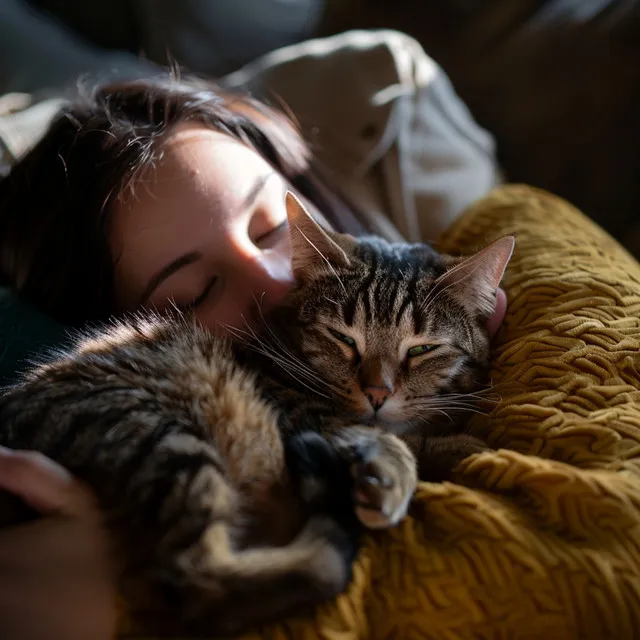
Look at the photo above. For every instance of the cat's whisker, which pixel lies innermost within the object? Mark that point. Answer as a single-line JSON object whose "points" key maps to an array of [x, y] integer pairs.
{"points": [[294, 364], [473, 397], [444, 413], [469, 396], [440, 401], [483, 393], [287, 364], [425, 419], [445, 408], [452, 407], [447, 401], [239, 334], [254, 342], [290, 368], [295, 360], [422, 418]]}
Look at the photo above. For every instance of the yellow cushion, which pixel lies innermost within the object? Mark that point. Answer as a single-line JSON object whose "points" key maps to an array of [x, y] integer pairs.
{"points": [[541, 538]]}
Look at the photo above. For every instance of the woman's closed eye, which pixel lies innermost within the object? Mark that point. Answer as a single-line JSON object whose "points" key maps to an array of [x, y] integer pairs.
{"points": [[271, 236], [200, 298]]}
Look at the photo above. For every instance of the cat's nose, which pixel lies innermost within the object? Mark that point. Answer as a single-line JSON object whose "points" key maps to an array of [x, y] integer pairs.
{"points": [[377, 396]]}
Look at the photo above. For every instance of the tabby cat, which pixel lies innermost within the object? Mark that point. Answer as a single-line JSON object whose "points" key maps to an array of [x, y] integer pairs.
{"points": [[234, 478]]}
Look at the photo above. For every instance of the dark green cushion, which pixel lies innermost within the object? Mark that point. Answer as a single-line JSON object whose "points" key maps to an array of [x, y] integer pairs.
{"points": [[24, 334]]}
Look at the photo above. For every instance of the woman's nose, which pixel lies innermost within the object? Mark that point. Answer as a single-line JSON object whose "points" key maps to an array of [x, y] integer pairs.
{"points": [[269, 278]]}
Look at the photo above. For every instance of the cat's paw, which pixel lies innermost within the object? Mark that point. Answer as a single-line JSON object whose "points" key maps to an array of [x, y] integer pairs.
{"points": [[384, 484]]}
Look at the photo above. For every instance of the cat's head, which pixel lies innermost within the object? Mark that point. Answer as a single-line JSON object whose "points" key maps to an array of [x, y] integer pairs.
{"points": [[386, 331]]}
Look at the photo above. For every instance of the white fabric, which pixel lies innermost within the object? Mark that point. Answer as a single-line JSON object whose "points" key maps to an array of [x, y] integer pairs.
{"points": [[385, 120]]}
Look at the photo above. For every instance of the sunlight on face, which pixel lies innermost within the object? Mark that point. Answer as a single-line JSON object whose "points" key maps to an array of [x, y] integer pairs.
{"points": [[206, 230]]}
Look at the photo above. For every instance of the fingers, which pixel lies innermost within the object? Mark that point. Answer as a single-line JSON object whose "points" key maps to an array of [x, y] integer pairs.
{"points": [[41, 483]]}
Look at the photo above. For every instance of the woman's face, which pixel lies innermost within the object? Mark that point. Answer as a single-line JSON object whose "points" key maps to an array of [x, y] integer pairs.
{"points": [[205, 230]]}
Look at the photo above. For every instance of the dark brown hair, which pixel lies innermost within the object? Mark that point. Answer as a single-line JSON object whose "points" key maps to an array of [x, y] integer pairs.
{"points": [[54, 204]]}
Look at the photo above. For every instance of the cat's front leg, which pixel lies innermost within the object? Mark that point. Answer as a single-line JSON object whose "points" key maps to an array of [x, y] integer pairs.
{"points": [[384, 473]]}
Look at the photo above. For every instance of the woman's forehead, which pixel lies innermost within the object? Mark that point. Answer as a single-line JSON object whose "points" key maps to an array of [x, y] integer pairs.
{"points": [[198, 170], [190, 150]]}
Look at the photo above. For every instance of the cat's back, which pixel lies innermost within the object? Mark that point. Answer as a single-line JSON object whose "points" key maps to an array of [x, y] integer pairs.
{"points": [[151, 354], [164, 366]]}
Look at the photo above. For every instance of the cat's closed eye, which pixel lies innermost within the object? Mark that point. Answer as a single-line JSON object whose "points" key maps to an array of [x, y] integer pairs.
{"points": [[348, 345], [348, 340], [421, 349]]}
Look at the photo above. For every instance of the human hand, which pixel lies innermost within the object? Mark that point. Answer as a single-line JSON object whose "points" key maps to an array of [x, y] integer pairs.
{"points": [[55, 577]]}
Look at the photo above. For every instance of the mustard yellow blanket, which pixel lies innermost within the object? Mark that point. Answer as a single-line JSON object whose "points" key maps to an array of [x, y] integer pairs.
{"points": [[541, 538]]}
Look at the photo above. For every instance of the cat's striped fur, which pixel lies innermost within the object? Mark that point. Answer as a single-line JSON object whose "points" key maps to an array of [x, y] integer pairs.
{"points": [[229, 476]]}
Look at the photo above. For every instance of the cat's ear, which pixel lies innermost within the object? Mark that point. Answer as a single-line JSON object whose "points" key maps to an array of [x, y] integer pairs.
{"points": [[311, 247], [474, 280]]}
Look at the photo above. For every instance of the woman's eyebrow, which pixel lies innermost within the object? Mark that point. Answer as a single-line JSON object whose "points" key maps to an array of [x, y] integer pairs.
{"points": [[157, 279]]}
